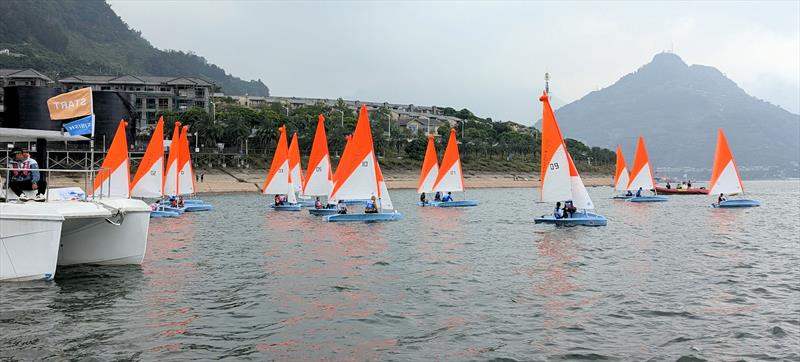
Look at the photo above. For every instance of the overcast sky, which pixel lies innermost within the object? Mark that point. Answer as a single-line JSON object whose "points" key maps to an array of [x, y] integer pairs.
{"points": [[488, 57]]}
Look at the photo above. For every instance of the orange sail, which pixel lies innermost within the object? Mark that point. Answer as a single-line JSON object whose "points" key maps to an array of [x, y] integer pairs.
{"points": [[430, 168], [319, 179], [621, 176], [554, 166], [642, 173], [171, 170], [450, 177], [295, 168], [114, 179], [149, 178], [356, 176], [725, 177], [278, 180]]}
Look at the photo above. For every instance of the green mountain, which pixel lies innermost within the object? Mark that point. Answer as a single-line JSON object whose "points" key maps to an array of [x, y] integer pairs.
{"points": [[74, 37], [678, 109]]}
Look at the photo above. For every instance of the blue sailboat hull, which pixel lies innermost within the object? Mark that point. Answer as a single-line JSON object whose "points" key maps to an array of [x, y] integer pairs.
{"points": [[287, 207], [197, 207], [737, 203], [376, 217], [321, 212], [458, 203], [583, 218], [158, 214], [648, 199]]}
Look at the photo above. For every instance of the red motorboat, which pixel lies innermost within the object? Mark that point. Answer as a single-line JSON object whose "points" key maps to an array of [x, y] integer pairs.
{"points": [[681, 191]]}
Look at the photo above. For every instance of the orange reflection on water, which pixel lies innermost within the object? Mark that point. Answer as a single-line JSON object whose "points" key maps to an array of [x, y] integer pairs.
{"points": [[167, 264]]}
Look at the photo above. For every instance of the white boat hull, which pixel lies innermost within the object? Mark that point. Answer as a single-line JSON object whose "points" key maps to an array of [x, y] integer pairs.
{"points": [[28, 242], [98, 240]]}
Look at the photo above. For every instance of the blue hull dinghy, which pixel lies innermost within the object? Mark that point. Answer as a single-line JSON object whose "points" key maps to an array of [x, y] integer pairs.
{"points": [[583, 218], [321, 212], [373, 217], [197, 207], [287, 207], [158, 214], [622, 197], [737, 203], [458, 203], [648, 199]]}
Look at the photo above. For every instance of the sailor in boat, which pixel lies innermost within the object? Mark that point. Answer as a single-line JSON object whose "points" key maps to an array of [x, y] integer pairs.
{"points": [[278, 200], [25, 175], [689, 184], [341, 207], [372, 206], [448, 197], [180, 202], [437, 197], [557, 212], [629, 193], [721, 198], [173, 202], [569, 209], [423, 199], [317, 203], [668, 185], [639, 192]]}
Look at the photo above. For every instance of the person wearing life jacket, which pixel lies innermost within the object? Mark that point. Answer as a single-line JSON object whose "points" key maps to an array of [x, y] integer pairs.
{"points": [[557, 211], [422, 199], [25, 175], [341, 207], [372, 206], [721, 198], [317, 203], [437, 197], [639, 192], [448, 197]]}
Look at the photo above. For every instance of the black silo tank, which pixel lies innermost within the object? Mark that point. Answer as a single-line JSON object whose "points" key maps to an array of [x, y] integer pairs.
{"points": [[26, 107], [109, 108]]}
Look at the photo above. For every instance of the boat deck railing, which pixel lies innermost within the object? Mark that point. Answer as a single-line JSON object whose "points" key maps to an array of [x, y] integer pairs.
{"points": [[89, 177]]}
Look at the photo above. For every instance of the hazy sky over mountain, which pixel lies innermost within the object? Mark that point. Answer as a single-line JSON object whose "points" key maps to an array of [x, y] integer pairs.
{"points": [[488, 57]]}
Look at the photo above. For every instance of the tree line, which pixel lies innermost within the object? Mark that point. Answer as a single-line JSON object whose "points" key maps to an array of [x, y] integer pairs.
{"points": [[482, 141]]}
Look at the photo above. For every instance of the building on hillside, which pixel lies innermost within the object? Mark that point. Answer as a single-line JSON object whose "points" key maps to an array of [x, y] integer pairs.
{"points": [[21, 77], [416, 122], [150, 95], [297, 102]]}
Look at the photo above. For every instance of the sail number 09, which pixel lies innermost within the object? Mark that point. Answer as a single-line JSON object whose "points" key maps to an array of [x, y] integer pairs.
{"points": [[554, 166]]}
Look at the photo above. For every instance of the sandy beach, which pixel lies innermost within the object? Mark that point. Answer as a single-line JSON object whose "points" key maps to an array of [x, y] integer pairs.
{"points": [[219, 181]]}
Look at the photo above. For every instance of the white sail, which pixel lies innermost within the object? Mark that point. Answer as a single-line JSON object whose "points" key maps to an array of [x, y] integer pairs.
{"points": [[290, 193], [150, 184], [296, 174], [171, 178], [386, 200], [279, 184], [728, 181], [452, 181], [361, 183], [622, 182], [557, 184], [430, 178], [643, 179], [117, 184], [186, 179], [319, 183]]}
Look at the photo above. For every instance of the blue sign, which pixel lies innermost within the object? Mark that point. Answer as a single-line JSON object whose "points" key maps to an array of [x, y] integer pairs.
{"points": [[80, 126]]}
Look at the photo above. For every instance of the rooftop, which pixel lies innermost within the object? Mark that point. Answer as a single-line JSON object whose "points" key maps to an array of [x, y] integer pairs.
{"points": [[23, 73], [133, 79]]}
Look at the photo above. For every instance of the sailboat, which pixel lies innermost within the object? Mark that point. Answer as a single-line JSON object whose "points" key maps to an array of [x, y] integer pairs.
{"points": [[279, 179], [114, 178], [358, 176], [296, 170], [186, 179], [149, 179], [319, 178], [430, 170], [642, 177], [450, 178], [725, 176], [621, 176], [560, 179]]}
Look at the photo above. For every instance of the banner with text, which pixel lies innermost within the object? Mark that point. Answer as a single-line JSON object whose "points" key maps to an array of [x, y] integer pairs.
{"points": [[80, 126], [69, 105]]}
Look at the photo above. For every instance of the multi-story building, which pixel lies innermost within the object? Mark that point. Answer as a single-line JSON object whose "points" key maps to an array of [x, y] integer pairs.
{"points": [[21, 77], [297, 102], [150, 95]]}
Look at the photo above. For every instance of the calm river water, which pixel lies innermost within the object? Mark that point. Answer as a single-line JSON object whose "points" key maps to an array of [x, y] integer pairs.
{"points": [[660, 282]]}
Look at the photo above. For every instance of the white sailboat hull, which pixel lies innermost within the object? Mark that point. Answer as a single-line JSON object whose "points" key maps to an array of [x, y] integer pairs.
{"points": [[29, 237], [89, 236]]}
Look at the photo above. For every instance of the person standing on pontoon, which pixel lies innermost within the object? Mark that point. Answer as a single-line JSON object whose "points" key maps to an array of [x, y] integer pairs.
{"points": [[423, 199]]}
